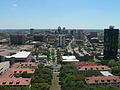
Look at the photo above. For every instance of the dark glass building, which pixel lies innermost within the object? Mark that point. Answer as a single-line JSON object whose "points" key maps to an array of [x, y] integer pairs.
{"points": [[32, 31], [41, 38], [17, 39], [111, 43]]}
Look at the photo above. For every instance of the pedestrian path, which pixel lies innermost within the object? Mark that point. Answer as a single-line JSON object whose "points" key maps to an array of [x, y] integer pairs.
{"points": [[55, 82]]}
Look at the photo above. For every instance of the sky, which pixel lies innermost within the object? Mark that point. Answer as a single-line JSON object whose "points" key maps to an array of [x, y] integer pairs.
{"points": [[46, 14]]}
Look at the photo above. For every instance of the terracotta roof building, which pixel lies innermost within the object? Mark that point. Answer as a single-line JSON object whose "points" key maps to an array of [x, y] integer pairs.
{"points": [[15, 82], [8, 77], [25, 65], [11, 72], [20, 70], [100, 68], [103, 80], [85, 64]]}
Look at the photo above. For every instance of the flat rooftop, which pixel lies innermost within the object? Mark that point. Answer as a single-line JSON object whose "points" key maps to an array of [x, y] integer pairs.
{"points": [[106, 73], [69, 59], [22, 54], [5, 52]]}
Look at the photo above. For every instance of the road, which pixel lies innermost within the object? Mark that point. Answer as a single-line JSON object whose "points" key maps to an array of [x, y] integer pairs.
{"points": [[69, 48]]}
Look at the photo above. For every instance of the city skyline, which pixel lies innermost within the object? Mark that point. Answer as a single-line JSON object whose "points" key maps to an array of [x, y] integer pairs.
{"points": [[53, 13]]}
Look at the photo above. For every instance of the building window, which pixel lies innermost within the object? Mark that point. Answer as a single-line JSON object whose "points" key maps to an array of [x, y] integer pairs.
{"points": [[15, 71], [87, 79], [17, 82], [20, 71], [85, 68], [102, 80], [114, 80], [10, 82], [96, 80], [102, 68], [96, 68], [4, 83], [91, 68], [108, 80]]}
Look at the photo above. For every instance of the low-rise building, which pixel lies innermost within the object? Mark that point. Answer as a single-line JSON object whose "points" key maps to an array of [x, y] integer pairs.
{"points": [[21, 70], [15, 82], [85, 63], [31, 65], [99, 68], [92, 70], [4, 66], [22, 56], [12, 72], [26, 47], [103, 81], [10, 78], [5, 52], [83, 54], [69, 59]]}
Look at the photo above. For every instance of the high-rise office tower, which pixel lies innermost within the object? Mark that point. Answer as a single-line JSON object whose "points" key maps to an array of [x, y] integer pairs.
{"points": [[59, 30], [111, 43], [32, 31]]}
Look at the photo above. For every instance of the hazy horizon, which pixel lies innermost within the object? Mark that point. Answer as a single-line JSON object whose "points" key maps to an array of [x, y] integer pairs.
{"points": [[85, 14]]}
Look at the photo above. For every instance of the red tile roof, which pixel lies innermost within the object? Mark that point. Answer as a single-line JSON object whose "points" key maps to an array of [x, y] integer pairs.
{"points": [[85, 68], [15, 81], [7, 78], [25, 64], [8, 73], [102, 79], [85, 64], [11, 71], [21, 70]]}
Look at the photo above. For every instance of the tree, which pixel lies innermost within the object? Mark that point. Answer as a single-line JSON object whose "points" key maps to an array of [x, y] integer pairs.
{"points": [[116, 70], [112, 63], [25, 75], [103, 62], [70, 79], [40, 86], [42, 75]]}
